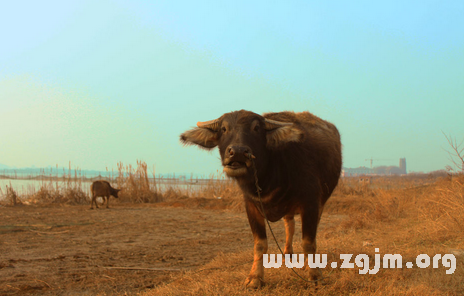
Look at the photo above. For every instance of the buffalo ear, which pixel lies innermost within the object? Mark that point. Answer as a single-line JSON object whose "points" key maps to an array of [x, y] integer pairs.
{"points": [[203, 137], [281, 135]]}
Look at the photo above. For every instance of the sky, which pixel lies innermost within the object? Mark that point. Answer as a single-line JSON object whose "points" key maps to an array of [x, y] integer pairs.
{"points": [[95, 83]]}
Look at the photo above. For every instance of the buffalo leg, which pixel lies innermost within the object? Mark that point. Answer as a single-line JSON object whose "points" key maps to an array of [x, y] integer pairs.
{"points": [[107, 202], [310, 220], [94, 200], [256, 221], [289, 232], [104, 200]]}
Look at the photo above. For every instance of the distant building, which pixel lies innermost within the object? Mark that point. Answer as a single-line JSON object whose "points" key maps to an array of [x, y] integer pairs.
{"points": [[403, 166], [349, 172], [376, 171]]}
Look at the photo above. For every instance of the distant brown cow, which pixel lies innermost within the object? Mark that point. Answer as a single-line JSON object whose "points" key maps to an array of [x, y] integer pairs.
{"points": [[297, 161], [102, 188]]}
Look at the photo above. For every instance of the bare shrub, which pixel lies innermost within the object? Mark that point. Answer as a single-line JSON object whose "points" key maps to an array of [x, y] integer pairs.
{"points": [[75, 196], [47, 194], [135, 185], [11, 195], [456, 155], [444, 209]]}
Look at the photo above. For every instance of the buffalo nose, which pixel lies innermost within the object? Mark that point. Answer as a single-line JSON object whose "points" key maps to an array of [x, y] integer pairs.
{"points": [[237, 150], [231, 151]]}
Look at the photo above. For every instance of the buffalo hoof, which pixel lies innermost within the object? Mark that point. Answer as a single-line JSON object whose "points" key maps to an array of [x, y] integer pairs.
{"points": [[315, 274], [253, 282]]}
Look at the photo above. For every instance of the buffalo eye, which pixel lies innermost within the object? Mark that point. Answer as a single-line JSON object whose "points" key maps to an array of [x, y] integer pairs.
{"points": [[224, 129], [255, 126]]}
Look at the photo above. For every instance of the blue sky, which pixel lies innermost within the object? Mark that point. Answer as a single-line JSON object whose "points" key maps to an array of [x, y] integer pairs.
{"points": [[99, 82]]}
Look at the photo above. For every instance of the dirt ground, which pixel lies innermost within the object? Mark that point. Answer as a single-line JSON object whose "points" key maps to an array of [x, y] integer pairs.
{"points": [[127, 249]]}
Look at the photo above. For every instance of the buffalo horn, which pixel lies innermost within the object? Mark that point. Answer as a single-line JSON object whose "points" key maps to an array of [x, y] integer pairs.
{"points": [[212, 124], [272, 124]]}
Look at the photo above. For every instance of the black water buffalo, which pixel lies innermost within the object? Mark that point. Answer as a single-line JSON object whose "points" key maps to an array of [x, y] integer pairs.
{"points": [[102, 188], [297, 157]]}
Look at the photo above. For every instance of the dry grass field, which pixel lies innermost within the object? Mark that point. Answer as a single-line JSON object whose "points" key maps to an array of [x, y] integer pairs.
{"points": [[186, 243]]}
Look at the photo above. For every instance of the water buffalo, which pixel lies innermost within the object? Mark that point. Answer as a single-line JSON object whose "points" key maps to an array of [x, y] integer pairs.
{"points": [[102, 188], [297, 158]]}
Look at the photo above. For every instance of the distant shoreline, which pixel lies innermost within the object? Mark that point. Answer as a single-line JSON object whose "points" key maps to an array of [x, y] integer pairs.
{"points": [[179, 180]]}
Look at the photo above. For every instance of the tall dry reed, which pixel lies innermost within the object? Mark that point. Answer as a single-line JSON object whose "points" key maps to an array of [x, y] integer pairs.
{"points": [[135, 184]]}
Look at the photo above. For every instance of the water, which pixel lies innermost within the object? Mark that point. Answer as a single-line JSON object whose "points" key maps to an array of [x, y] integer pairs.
{"points": [[28, 187]]}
